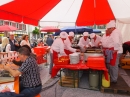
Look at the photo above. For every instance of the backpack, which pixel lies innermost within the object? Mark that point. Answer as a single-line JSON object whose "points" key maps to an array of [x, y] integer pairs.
{"points": [[4, 48]]}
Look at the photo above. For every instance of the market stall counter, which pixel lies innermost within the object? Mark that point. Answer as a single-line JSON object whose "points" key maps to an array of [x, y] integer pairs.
{"points": [[78, 66], [85, 66]]}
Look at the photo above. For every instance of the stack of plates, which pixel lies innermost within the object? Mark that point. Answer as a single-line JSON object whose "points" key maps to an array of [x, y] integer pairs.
{"points": [[74, 58]]}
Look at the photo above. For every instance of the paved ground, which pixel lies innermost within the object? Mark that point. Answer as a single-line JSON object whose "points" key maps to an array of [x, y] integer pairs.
{"points": [[53, 89]]}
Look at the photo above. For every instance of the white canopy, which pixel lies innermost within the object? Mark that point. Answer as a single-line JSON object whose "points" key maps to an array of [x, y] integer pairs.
{"points": [[63, 14], [66, 12]]}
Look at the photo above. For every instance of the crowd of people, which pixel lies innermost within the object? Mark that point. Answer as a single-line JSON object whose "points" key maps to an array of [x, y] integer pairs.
{"points": [[28, 67], [61, 46]]}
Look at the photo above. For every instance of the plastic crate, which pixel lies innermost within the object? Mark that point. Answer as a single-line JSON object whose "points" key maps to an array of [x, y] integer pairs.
{"points": [[97, 62]]}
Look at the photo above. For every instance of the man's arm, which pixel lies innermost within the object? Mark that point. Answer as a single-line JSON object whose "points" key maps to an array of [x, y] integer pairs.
{"points": [[14, 73]]}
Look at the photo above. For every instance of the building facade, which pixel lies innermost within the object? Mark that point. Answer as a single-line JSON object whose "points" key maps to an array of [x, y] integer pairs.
{"points": [[22, 29]]}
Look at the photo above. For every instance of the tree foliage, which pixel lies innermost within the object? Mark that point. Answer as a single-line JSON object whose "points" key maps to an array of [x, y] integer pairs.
{"points": [[36, 31]]}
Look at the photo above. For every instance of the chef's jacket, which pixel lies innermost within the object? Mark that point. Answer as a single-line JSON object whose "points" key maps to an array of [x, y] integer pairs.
{"points": [[67, 45], [113, 40], [83, 43], [95, 43], [58, 46]]}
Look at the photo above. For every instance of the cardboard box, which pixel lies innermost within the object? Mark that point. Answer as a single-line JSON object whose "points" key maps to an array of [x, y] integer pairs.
{"points": [[125, 63]]}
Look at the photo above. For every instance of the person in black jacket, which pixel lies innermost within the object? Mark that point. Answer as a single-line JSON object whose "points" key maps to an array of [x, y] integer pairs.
{"points": [[14, 44]]}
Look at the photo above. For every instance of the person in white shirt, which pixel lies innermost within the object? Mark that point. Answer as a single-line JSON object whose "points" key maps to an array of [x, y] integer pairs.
{"points": [[95, 39], [84, 42], [5, 46], [68, 44], [113, 39], [25, 41], [58, 44], [57, 48]]}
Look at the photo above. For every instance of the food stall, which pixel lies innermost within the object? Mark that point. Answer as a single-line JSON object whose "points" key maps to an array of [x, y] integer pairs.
{"points": [[92, 62]]}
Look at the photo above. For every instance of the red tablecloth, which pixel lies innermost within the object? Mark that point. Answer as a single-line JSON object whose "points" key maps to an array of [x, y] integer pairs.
{"points": [[81, 66], [40, 50], [78, 66], [40, 59]]}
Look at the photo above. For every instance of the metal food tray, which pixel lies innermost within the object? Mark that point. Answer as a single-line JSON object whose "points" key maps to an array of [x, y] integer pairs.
{"points": [[86, 55], [76, 47], [98, 51]]}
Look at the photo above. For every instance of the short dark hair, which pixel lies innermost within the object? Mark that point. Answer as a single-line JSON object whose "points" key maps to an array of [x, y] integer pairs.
{"points": [[27, 48], [24, 51]]}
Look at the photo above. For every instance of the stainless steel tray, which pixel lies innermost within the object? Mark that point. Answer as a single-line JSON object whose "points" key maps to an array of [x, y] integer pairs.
{"points": [[86, 55]]}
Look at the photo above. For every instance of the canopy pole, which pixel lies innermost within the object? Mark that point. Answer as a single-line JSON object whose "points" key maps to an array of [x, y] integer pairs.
{"points": [[76, 36]]}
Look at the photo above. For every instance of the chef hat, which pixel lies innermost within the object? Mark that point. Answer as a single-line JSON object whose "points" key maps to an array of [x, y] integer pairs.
{"points": [[71, 34], [92, 35], [63, 35], [85, 34], [111, 24]]}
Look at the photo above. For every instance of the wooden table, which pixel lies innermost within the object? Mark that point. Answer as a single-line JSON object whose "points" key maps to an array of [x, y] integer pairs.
{"points": [[9, 80], [4, 80]]}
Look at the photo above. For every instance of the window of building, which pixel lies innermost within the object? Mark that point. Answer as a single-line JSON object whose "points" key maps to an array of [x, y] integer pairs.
{"points": [[23, 27], [101, 27], [93, 27], [10, 23], [1, 22], [17, 25]]}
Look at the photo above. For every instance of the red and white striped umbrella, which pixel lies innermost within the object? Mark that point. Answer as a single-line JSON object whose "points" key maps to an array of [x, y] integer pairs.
{"points": [[86, 12], [7, 28]]}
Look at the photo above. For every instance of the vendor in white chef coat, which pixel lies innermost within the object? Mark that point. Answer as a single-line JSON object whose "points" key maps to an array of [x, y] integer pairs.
{"points": [[95, 39], [57, 48], [68, 44], [84, 42], [113, 39]]}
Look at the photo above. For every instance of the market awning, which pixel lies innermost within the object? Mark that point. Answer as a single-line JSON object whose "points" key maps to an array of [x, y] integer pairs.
{"points": [[26, 11]]}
